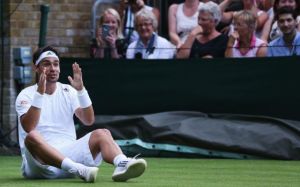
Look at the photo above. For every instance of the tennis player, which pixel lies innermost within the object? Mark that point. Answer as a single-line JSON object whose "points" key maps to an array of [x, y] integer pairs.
{"points": [[47, 135]]}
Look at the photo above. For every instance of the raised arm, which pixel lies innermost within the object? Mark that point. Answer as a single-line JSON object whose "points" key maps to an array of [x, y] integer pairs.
{"points": [[226, 16], [86, 112], [261, 20], [185, 50], [98, 50], [174, 38], [266, 30], [229, 49], [30, 119]]}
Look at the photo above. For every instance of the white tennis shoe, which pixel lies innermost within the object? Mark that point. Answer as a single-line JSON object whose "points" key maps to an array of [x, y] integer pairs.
{"points": [[129, 169], [88, 174]]}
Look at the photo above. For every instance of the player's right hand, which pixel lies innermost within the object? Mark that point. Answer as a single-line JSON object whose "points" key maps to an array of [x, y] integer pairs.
{"points": [[42, 82]]}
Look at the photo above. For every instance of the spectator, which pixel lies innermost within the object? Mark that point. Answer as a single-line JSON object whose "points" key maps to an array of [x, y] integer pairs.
{"points": [[128, 8], [205, 41], [243, 42], [288, 43], [182, 20], [271, 30], [109, 42], [149, 45], [250, 5]]}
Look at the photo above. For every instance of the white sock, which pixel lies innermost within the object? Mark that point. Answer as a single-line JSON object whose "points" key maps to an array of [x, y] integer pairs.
{"points": [[68, 164], [119, 158]]}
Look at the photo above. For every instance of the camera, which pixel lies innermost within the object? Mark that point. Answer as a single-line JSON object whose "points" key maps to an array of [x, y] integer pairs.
{"points": [[105, 31]]}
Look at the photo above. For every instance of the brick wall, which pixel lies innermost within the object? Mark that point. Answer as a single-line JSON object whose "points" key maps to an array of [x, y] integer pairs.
{"points": [[68, 25]]}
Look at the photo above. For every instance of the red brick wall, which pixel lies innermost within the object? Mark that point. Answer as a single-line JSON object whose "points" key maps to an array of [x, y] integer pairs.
{"points": [[69, 25]]}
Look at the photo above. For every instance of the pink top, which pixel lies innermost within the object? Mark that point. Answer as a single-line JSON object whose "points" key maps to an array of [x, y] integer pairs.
{"points": [[254, 46]]}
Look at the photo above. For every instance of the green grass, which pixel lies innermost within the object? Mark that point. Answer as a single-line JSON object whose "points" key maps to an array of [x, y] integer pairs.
{"points": [[175, 172]]}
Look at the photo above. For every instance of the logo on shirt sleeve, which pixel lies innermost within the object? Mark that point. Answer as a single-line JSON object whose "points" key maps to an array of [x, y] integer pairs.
{"points": [[23, 103]]}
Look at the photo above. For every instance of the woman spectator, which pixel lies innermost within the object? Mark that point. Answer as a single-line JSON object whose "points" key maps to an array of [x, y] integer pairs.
{"points": [[149, 45], [109, 42], [182, 20], [250, 5], [243, 42], [128, 9], [205, 41], [271, 30]]}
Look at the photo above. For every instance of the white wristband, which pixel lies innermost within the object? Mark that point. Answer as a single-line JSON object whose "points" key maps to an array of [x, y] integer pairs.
{"points": [[81, 92], [84, 98], [37, 100]]}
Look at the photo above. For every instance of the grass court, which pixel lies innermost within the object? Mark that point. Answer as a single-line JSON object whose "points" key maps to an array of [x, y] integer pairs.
{"points": [[175, 172]]}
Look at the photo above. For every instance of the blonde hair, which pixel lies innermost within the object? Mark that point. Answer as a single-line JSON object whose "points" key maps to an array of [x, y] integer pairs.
{"points": [[118, 18], [247, 17]]}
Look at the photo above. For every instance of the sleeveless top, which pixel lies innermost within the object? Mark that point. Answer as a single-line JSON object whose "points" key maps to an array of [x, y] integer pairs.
{"points": [[215, 47], [254, 46], [185, 24]]}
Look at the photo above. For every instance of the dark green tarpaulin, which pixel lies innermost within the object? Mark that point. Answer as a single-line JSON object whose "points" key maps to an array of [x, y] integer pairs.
{"points": [[259, 86], [204, 135]]}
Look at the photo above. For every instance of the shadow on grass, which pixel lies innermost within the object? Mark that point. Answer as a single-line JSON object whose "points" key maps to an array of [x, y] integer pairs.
{"points": [[103, 181], [24, 180]]}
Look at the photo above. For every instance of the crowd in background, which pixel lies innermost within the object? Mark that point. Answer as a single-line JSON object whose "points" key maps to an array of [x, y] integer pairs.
{"points": [[200, 29]]}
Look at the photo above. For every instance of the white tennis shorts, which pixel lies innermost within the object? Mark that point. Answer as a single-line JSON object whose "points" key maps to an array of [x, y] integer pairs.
{"points": [[78, 151]]}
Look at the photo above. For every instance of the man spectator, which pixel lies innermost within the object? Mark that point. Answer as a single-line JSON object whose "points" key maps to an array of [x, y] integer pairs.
{"points": [[288, 43]]}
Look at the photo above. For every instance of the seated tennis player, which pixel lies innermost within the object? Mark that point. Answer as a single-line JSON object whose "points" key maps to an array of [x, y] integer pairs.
{"points": [[47, 137]]}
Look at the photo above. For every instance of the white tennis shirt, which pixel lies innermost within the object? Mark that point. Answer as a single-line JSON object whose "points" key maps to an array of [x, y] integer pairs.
{"points": [[56, 122]]}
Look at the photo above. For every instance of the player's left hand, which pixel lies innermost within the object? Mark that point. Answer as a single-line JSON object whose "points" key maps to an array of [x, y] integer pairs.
{"points": [[76, 81]]}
